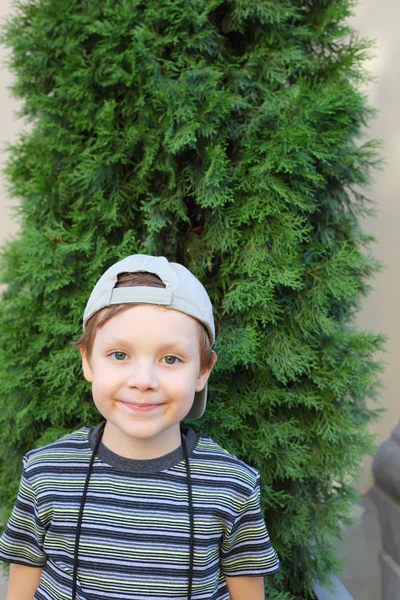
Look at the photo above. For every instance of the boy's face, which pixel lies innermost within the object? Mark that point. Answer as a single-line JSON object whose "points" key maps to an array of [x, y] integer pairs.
{"points": [[145, 370]]}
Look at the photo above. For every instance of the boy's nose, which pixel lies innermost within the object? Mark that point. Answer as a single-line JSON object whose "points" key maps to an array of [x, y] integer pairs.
{"points": [[142, 377]]}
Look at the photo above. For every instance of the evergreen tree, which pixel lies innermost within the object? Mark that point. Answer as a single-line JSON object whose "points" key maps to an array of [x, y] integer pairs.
{"points": [[224, 135]]}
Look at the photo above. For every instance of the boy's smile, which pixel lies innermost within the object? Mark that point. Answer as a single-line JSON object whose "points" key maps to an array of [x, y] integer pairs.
{"points": [[145, 370]]}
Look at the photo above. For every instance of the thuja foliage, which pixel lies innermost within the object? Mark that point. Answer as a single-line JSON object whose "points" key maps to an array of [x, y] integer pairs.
{"points": [[225, 135]]}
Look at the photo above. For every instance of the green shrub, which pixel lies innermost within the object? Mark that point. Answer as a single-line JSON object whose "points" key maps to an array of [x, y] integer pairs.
{"points": [[225, 136]]}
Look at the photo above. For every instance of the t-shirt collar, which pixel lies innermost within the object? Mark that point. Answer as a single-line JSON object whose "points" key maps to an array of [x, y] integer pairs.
{"points": [[152, 465]]}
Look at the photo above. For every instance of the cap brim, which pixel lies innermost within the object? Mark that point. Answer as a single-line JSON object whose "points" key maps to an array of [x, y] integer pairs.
{"points": [[199, 405]]}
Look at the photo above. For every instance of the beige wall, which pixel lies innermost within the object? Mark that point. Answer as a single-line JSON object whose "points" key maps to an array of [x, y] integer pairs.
{"points": [[378, 20], [8, 129]]}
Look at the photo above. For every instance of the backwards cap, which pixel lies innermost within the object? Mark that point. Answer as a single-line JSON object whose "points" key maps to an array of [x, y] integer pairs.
{"points": [[183, 292]]}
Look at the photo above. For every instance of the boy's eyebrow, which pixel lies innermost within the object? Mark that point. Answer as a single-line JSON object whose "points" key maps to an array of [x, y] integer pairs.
{"points": [[175, 344]]}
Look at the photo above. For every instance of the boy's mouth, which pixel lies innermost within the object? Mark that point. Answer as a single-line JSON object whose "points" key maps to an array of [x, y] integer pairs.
{"points": [[141, 407]]}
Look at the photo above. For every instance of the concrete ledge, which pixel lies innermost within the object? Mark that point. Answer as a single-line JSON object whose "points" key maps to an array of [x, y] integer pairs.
{"points": [[388, 509], [390, 577], [338, 592]]}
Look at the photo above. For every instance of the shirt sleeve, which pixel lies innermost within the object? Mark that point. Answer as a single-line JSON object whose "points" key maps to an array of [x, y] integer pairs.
{"points": [[246, 548], [23, 538]]}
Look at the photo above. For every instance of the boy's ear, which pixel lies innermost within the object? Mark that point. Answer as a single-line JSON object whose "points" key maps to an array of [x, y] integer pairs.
{"points": [[86, 368], [205, 374]]}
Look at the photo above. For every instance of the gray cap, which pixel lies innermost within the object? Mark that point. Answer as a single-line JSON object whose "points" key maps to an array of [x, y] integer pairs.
{"points": [[183, 292]]}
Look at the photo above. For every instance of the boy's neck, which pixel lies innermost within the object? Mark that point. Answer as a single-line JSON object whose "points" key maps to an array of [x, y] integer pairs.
{"points": [[145, 448]]}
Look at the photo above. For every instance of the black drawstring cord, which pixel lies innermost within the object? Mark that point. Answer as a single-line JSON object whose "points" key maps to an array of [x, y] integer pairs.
{"points": [[82, 506], [191, 517], [83, 500]]}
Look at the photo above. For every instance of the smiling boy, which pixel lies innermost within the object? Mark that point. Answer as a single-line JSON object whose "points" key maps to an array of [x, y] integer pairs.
{"points": [[140, 506], [144, 405]]}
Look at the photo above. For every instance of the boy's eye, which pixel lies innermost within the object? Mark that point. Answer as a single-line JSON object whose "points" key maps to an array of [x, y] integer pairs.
{"points": [[170, 359], [119, 355]]}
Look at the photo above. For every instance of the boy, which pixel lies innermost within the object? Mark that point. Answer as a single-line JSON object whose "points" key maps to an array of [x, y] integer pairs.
{"points": [[139, 506]]}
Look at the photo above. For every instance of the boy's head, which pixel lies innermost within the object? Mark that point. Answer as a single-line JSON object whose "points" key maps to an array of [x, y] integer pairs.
{"points": [[147, 280]]}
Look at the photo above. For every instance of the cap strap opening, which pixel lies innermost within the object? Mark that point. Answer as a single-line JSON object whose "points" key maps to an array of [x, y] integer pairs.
{"points": [[141, 294]]}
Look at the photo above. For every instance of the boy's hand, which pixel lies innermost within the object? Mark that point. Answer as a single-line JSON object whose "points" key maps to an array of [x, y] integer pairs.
{"points": [[243, 588], [23, 582]]}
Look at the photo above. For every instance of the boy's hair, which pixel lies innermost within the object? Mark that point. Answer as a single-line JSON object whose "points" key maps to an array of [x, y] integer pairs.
{"points": [[140, 278]]}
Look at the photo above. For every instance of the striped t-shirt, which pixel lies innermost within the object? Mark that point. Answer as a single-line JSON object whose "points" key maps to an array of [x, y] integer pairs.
{"points": [[135, 536]]}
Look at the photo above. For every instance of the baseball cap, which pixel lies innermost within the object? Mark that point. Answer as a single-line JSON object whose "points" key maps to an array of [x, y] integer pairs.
{"points": [[182, 292]]}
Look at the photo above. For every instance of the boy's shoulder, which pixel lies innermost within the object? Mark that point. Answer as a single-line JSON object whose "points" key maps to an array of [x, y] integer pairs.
{"points": [[68, 447], [220, 462]]}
